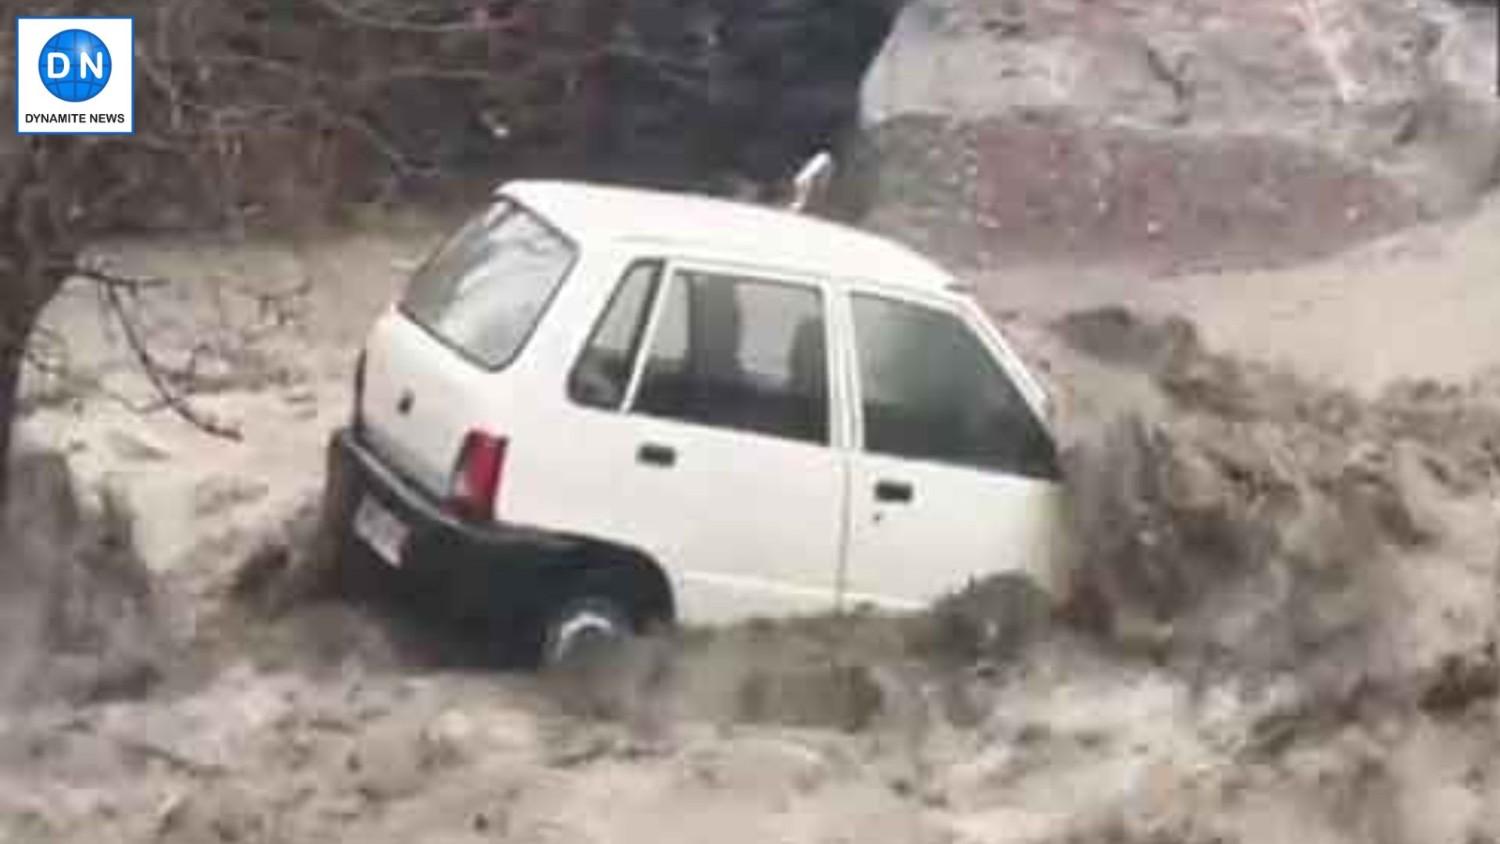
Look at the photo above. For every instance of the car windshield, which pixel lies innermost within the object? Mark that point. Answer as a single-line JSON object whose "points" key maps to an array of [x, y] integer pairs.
{"points": [[485, 289]]}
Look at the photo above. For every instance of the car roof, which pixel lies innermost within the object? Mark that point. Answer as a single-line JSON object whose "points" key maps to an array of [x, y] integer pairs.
{"points": [[718, 228]]}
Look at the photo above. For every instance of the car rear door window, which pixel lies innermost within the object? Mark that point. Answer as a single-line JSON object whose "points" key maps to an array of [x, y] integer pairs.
{"points": [[931, 390], [602, 374], [484, 291], [742, 353]]}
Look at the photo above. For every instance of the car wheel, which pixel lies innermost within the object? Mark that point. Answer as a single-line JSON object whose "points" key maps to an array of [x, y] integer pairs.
{"points": [[585, 632]]}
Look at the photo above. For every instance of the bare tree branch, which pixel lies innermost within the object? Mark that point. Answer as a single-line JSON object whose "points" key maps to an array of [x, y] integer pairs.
{"points": [[284, 110], [174, 401], [130, 284]]}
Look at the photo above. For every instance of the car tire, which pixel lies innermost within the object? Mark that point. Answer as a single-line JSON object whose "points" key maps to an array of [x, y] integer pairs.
{"points": [[584, 632]]}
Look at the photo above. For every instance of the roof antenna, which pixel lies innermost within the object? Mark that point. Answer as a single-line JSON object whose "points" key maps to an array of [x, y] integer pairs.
{"points": [[812, 181]]}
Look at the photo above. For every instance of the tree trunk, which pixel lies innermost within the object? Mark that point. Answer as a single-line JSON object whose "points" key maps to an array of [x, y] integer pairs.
{"points": [[10, 388], [15, 329]]}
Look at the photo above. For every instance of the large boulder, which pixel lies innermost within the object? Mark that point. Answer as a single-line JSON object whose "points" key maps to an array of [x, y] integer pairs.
{"points": [[1190, 131]]}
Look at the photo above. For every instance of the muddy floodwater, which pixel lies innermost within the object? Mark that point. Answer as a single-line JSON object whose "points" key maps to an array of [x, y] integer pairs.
{"points": [[1282, 624]]}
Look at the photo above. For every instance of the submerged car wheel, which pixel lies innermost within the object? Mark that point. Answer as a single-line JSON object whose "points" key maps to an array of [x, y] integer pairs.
{"points": [[585, 631]]}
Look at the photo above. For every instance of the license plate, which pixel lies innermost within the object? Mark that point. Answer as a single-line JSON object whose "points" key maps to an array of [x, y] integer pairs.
{"points": [[381, 530]]}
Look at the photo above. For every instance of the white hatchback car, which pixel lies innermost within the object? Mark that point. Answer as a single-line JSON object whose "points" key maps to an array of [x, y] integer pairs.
{"points": [[596, 409]]}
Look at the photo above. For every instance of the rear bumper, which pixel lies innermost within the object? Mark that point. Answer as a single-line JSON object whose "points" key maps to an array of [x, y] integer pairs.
{"points": [[473, 569]]}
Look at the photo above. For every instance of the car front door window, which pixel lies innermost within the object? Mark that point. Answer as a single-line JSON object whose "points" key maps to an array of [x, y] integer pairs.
{"points": [[932, 391]]}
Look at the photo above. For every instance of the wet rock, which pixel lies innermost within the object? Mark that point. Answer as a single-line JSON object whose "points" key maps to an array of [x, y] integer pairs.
{"points": [[1173, 136]]}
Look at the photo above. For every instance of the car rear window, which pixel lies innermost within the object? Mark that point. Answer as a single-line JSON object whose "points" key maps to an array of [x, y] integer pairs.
{"points": [[484, 290]]}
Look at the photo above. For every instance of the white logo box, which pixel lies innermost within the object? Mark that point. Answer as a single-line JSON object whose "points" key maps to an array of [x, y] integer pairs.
{"points": [[110, 112]]}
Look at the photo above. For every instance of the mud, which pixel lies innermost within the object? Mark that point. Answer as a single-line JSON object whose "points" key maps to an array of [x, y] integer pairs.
{"points": [[1233, 524], [1264, 525]]}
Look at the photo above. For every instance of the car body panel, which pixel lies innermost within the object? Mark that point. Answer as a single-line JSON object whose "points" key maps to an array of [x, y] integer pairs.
{"points": [[961, 523], [743, 524]]}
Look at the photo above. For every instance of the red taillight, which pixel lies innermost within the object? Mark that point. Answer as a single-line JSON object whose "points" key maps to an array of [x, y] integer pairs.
{"points": [[477, 475]]}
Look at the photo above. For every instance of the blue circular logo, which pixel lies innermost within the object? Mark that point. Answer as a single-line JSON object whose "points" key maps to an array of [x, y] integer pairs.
{"points": [[75, 65]]}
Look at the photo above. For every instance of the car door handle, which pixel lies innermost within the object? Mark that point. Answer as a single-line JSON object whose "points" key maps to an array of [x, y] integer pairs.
{"points": [[894, 492], [653, 454]]}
